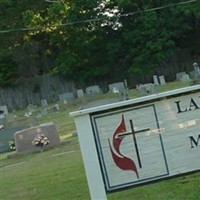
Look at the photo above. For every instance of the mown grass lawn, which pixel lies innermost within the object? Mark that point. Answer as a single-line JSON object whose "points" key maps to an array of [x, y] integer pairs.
{"points": [[58, 173]]}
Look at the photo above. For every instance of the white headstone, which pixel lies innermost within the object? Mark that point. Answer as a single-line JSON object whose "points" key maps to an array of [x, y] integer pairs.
{"points": [[155, 80], [80, 93], [162, 80], [125, 83], [197, 70]]}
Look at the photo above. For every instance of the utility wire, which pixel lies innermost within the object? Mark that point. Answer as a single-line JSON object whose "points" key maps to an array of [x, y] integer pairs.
{"points": [[51, 1], [102, 18]]}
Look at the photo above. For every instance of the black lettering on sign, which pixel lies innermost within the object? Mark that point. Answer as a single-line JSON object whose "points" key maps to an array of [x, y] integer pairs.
{"points": [[194, 142], [192, 105], [179, 107]]}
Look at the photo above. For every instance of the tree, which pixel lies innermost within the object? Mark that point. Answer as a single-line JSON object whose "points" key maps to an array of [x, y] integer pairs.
{"points": [[8, 68], [14, 59], [87, 40]]}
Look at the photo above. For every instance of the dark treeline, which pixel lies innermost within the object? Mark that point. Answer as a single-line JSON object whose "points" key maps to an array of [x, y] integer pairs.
{"points": [[86, 41]]}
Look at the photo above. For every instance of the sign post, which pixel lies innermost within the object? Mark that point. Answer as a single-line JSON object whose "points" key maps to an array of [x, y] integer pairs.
{"points": [[139, 141]]}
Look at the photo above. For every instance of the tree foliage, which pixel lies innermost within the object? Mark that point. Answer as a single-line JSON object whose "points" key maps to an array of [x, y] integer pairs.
{"points": [[87, 40]]}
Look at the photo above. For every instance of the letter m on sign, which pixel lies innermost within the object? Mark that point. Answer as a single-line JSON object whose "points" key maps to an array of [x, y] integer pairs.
{"points": [[194, 142]]}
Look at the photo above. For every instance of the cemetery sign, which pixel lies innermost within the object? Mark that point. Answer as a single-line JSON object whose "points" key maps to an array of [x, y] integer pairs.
{"points": [[141, 140]]}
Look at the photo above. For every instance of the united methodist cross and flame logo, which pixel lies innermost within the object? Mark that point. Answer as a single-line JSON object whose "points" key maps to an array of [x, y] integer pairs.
{"points": [[121, 161]]}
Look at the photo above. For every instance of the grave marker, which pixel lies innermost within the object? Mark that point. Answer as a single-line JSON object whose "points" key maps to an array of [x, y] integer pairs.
{"points": [[24, 138], [66, 96], [44, 103], [196, 70], [119, 86], [155, 80], [179, 75], [182, 76], [6, 135], [80, 94], [93, 90], [5, 109], [147, 89], [139, 141], [12, 126], [185, 77], [162, 80]]}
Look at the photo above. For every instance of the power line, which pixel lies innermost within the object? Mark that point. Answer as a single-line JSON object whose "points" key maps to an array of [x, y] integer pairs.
{"points": [[102, 18], [51, 1]]}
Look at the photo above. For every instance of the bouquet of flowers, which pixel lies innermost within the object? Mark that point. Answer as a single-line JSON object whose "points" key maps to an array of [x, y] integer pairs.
{"points": [[40, 140], [11, 144]]}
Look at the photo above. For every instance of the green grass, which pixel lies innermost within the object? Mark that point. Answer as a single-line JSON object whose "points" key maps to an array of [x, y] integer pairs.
{"points": [[58, 173], [48, 175]]}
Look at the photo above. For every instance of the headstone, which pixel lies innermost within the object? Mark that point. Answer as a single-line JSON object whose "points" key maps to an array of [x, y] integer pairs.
{"points": [[7, 135], [3, 111], [125, 83], [24, 138], [12, 126], [44, 103], [119, 86], [185, 77], [197, 70], [155, 80], [80, 93], [180, 75], [162, 80], [93, 90], [66, 96], [147, 89], [2, 115]]}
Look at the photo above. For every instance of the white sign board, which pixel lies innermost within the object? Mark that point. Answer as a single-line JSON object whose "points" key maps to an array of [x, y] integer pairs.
{"points": [[142, 140]]}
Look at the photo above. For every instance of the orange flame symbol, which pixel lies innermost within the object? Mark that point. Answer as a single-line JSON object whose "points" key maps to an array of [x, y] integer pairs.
{"points": [[120, 160]]}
